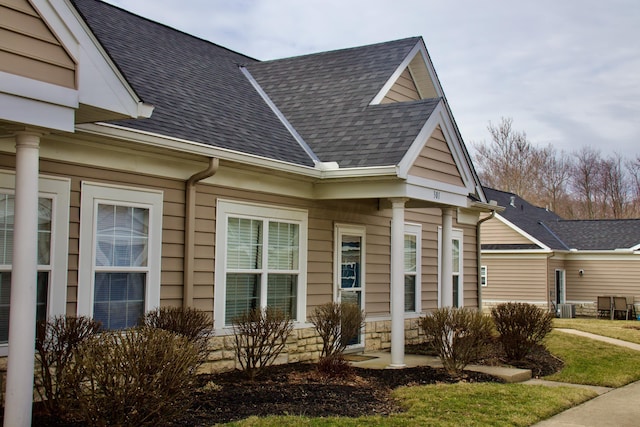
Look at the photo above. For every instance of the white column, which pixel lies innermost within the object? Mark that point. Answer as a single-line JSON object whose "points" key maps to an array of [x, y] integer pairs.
{"points": [[446, 263], [397, 283], [22, 316]]}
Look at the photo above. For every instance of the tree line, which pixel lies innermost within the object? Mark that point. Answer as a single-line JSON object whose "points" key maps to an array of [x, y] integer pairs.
{"points": [[582, 184]]}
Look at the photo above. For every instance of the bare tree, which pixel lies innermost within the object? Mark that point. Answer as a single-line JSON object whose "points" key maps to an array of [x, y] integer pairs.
{"points": [[616, 186], [584, 179], [510, 162], [554, 175]]}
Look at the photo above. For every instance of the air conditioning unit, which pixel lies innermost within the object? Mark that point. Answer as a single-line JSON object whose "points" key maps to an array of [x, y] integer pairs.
{"points": [[567, 311]]}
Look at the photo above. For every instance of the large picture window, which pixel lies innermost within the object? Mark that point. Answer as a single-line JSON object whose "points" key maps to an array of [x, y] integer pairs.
{"points": [[52, 248], [260, 260], [120, 238]]}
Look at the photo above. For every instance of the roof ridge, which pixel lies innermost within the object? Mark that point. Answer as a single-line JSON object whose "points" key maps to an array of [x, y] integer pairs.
{"points": [[163, 25], [342, 50]]}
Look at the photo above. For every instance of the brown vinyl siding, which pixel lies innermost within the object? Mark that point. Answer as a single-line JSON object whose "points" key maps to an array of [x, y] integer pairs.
{"points": [[470, 266], [515, 279], [495, 231], [435, 162], [614, 276], [29, 48], [403, 90]]}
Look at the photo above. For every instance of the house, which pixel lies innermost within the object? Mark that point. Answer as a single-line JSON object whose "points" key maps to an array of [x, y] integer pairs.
{"points": [[142, 167], [530, 254]]}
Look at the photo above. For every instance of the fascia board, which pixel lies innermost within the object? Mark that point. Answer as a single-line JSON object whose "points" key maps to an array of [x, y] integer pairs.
{"points": [[635, 248], [93, 63], [37, 90], [515, 253], [190, 147], [521, 232], [36, 113]]}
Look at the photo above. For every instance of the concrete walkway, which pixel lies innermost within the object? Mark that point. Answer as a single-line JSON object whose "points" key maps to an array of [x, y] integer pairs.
{"points": [[627, 344], [613, 407], [618, 408]]}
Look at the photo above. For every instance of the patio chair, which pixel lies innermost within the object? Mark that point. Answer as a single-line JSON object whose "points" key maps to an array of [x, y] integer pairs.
{"points": [[604, 307], [619, 307]]}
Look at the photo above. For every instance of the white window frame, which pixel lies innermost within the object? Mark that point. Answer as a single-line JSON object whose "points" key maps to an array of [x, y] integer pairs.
{"points": [[58, 190], [456, 234], [484, 276], [416, 231], [92, 194], [248, 210]]}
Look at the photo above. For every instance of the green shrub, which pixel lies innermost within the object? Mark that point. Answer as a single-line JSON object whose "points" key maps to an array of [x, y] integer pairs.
{"points": [[195, 325], [337, 324], [260, 336], [521, 326], [458, 335], [56, 340], [136, 377]]}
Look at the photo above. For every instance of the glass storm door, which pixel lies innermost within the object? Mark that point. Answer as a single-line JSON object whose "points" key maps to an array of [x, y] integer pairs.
{"points": [[350, 277]]}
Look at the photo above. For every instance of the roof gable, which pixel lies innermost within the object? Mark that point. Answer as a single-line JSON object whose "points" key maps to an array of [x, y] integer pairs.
{"points": [[435, 161], [327, 98]]}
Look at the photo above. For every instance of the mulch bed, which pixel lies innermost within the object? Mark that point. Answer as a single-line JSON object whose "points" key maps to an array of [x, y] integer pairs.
{"points": [[299, 389]]}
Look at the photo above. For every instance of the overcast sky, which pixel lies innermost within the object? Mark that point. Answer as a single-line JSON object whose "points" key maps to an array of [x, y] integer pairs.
{"points": [[566, 71]]}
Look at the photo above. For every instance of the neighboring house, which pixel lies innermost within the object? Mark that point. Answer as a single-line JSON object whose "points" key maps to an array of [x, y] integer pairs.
{"points": [[146, 167], [530, 254]]}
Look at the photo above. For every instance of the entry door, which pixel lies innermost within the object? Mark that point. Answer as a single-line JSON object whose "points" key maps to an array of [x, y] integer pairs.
{"points": [[350, 268], [560, 288]]}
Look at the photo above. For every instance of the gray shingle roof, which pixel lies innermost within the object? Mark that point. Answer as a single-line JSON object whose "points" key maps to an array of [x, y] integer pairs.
{"points": [[529, 218], [600, 234], [326, 98], [198, 91], [201, 95], [560, 234]]}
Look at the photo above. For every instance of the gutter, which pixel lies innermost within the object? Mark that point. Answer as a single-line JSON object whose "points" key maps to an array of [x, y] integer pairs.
{"points": [[479, 255], [189, 228]]}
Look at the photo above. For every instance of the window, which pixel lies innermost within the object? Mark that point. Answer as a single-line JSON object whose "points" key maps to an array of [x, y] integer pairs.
{"points": [[52, 248], [260, 260], [412, 257], [483, 275], [457, 258], [120, 245]]}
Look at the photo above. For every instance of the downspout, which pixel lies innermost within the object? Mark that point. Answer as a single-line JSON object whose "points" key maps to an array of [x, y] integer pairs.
{"points": [[190, 228], [479, 254]]}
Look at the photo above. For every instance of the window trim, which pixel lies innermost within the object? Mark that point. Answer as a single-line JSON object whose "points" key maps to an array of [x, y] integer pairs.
{"points": [[484, 276], [241, 209], [416, 230], [456, 234], [92, 194], [58, 189]]}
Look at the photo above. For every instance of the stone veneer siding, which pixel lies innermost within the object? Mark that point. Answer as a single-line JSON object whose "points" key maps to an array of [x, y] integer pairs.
{"points": [[304, 345]]}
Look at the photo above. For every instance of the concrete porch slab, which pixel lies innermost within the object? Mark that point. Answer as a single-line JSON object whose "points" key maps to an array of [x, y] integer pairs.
{"points": [[382, 360]]}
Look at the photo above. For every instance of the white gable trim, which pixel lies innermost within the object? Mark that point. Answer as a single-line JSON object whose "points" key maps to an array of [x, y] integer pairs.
{"points": [[100, 84], [419, 48], [521, 232]]}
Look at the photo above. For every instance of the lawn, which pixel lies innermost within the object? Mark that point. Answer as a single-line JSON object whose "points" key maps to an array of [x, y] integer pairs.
{"points": [[627, 330], [593, 362], [479, 404]]}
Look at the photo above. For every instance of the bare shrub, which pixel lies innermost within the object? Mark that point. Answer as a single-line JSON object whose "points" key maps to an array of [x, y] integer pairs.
{"points": [[56, 340], [136, 377], [337, 324], [335, 366], [193, 324], [260, 337], [521, 326], [457, 335]]}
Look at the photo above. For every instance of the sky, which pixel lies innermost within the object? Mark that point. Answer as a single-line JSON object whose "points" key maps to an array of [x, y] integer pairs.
{"points": [[567, 72]]}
